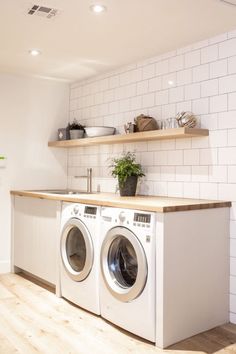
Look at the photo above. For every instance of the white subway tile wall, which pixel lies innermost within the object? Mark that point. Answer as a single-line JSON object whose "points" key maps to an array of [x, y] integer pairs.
{"points": [[200, 78]]}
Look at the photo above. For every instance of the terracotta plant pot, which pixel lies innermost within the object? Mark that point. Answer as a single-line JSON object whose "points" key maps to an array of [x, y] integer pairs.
{"points": [[129, 187]]}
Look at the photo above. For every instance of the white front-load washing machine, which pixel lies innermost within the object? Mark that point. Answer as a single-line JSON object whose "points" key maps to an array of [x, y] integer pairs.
{"points": [[79, 255], [127, 259]]}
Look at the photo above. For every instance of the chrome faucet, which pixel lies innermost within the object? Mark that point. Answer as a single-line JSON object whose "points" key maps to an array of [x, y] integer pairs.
{"points": [[89, 179]]}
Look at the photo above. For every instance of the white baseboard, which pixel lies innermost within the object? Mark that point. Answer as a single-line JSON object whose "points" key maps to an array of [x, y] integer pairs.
{"points": [[5, 267], [232, 316]]}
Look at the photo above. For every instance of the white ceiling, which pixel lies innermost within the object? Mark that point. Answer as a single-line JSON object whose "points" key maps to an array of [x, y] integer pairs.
{"points": [[77, 43]]}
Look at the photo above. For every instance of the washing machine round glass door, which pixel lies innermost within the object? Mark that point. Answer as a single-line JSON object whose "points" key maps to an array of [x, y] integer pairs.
{"points": [[124, 264], [76, 249]]}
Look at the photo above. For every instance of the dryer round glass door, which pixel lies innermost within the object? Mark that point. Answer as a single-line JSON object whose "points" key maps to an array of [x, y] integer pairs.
{"points": [[76, 250], [124, 264]]}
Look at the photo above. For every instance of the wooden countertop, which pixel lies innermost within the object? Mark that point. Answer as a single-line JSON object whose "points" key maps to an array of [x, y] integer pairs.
{"points": [[146, 203]]}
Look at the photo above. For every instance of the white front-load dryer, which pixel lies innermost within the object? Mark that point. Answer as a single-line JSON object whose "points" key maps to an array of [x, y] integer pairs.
{"points": [[79, 255], [127, 260]]}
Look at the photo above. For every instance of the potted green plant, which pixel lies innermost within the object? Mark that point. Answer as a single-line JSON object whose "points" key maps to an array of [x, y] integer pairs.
{"points": [[76, 130], [127, 170]]}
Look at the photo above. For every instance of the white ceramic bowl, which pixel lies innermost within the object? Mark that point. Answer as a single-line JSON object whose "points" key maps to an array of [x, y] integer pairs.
{"points": [[92, 132]]}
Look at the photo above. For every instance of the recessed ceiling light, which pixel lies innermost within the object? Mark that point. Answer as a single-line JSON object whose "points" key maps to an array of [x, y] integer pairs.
{"points": [[171, 82], [97, 8], [34, 52]]}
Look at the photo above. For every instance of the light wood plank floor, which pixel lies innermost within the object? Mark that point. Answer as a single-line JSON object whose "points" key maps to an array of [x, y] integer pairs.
{"points": [[34, 320]]}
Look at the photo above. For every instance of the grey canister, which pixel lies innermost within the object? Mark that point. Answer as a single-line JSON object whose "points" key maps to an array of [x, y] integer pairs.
{"points": [[76, 133], [63, 134]]}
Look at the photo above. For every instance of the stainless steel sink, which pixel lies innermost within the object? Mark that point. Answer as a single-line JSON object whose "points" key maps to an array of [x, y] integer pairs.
{"points": [[63, 191]]}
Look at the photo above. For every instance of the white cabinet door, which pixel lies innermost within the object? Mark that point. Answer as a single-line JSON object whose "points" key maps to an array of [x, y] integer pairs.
{"points": [[36, 230]]}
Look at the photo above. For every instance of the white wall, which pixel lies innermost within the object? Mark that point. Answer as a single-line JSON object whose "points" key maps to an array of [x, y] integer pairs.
{"points": [[204, 76], [31, 110]]}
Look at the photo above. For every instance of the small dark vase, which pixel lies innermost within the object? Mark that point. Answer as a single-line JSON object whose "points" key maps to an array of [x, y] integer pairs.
{"points": [[129, 187]]}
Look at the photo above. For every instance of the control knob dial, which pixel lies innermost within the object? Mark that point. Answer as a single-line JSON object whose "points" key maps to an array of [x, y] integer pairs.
{"points": [[122, 216], [76, 209]]}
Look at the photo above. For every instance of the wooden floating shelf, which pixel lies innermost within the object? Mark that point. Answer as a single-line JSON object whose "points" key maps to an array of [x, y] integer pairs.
{"points": [[174, 133]]}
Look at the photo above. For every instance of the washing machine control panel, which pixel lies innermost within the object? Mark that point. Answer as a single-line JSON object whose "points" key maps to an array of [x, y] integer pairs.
{"points": [[139, 217], [127, 217], [142, 220], [90, 212]]}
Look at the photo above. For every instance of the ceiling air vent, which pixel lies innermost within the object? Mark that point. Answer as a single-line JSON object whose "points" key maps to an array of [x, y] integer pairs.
{"points": [[42, 11]]}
